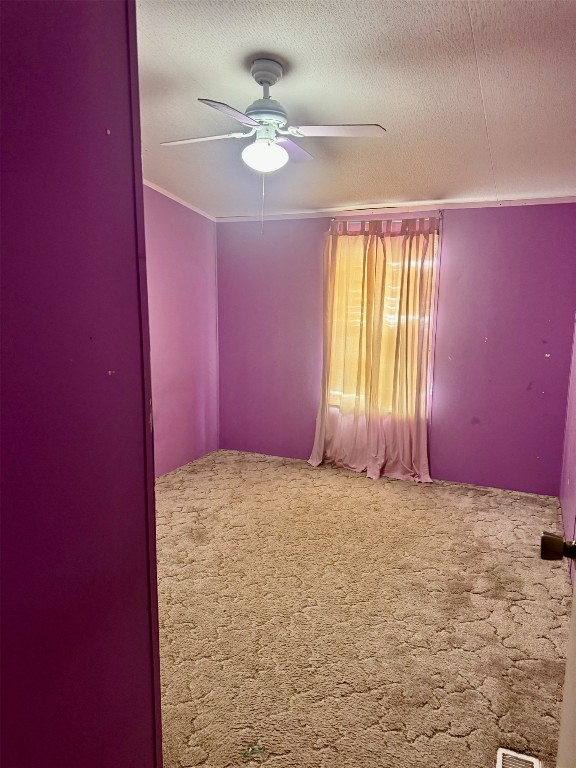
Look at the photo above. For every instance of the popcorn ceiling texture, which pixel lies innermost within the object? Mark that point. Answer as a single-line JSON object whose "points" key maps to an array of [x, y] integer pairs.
{"points": [[476, 99], [337, 621]]}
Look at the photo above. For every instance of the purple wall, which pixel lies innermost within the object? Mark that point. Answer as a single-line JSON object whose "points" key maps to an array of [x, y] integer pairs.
{"points": [[78, 602], [507, 299], [182, 297], [505, 316], [270, 334], [568, 484]]}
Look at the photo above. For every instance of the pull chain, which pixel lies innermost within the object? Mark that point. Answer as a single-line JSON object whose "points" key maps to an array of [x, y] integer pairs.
{"points": [[262, 218]]}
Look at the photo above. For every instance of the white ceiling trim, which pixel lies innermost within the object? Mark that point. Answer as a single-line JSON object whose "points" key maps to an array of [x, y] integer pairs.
{"points": [[384, 208], [177, 199]]}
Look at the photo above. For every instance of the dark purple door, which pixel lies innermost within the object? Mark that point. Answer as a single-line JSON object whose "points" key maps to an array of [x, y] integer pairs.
{"points": [[79, 645]]}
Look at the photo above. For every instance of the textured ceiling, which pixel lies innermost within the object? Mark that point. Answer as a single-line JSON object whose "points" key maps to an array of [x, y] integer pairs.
{"points": [[478, 99]]}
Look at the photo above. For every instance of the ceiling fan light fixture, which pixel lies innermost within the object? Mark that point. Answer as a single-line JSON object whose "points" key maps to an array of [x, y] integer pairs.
{"points": [[265, 156]]}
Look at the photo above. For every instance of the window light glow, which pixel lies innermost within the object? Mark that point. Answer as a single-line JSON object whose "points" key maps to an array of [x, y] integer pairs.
{"points": [[264, 156], [383, 295]]}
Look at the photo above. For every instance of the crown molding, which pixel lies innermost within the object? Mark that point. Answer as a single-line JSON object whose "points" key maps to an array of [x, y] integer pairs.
{"points": [[179, 200], [381, 209], [391, 208]]}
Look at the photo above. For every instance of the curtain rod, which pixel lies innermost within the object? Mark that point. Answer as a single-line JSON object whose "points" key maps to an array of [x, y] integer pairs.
{"points": [[350, 221], [392, 221]]}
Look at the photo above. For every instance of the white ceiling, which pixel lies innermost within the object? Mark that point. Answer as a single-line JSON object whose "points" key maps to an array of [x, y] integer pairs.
{"points": [[478, 99]]}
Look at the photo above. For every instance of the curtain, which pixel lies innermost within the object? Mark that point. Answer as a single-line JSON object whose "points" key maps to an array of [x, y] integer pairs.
{"points": [[379, 297]]}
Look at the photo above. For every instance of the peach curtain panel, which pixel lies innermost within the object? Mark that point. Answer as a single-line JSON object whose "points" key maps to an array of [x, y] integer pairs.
{"points": [[379, 300]]}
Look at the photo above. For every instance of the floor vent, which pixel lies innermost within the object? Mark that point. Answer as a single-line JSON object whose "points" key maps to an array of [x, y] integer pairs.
{"points": [[505, 758]]}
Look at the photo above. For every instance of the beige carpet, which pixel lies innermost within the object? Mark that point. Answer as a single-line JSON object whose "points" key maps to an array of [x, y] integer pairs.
{"points": [[311, 617]]}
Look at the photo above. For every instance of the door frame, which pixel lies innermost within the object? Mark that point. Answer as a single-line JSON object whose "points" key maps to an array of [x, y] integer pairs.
{"points": [[148, 428]]}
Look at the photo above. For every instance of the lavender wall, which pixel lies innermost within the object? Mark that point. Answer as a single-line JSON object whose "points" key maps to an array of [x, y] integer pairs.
{"points": [[182, 296], [78, 600], [568, 482], [270, 334], [505, 315], [507, 299]]}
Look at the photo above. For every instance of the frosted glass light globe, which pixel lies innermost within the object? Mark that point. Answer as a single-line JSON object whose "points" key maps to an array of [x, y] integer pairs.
{"points": [[264, 156]]}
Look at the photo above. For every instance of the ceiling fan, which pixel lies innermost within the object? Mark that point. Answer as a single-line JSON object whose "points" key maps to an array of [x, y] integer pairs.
{"points": [[267, 120]]}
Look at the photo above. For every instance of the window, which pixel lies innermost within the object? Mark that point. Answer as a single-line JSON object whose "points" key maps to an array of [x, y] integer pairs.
{"points": [[380, 281]]}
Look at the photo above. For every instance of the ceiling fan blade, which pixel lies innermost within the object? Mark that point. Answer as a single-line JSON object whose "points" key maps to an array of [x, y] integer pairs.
{"points": [[365, 131], [296, 152], [237, 135], [230, 111]]}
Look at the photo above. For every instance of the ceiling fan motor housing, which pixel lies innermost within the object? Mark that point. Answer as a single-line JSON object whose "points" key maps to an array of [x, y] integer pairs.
{"points": [[268, 111]]}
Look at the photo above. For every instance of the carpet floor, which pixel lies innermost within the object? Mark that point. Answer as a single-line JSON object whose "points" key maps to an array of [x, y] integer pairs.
{"points": [[313, 618]]}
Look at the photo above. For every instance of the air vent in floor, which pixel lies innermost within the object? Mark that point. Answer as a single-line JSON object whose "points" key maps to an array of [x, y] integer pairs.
{"points": [[505, 758]]}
